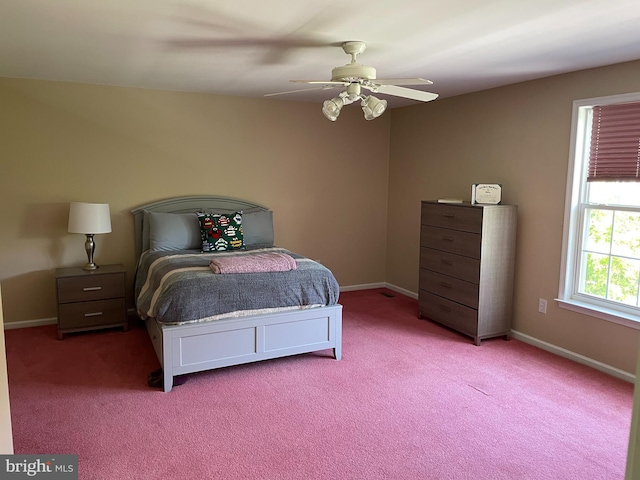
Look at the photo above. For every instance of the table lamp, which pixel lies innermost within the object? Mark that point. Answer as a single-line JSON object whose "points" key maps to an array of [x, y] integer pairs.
{"points": [[90, 219]]}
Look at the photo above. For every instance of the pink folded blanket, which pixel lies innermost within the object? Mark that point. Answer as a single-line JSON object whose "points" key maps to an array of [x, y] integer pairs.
{"points": [[253, 263]]}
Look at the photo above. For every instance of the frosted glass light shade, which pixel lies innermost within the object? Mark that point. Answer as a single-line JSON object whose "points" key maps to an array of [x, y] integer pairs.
{"points": [[331, 108], [373, 107], [89, 218]]}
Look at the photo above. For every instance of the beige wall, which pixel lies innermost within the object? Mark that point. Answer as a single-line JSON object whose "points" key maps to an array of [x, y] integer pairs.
{"points": [[518, 136], [325, 181]]}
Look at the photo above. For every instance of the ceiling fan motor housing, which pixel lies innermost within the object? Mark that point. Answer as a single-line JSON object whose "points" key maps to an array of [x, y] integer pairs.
{"points": [[353, 72]]}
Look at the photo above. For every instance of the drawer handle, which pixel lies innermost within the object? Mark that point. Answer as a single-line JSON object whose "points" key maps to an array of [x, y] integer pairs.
{"points": [[445, 284], [449, 215], [445, 308], [446, 262], [94, 314], [91, 289], [447, 238]]}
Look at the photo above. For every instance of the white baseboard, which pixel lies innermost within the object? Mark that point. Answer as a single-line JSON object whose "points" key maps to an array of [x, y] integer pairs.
{"points": [[365, 286], [404, 292], [30, 323], [576, 357], [371, 286]]}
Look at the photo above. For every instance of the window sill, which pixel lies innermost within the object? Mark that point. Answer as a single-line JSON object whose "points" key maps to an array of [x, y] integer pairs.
{"points": [[628, 320]]}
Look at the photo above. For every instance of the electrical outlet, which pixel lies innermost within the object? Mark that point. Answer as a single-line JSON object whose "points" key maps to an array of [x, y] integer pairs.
{"points": [[542, 305]]}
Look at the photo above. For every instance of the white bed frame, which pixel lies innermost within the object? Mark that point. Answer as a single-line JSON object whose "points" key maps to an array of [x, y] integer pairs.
{"points": [[190, 348]]}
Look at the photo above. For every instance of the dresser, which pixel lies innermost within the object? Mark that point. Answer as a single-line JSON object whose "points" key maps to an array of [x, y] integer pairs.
{"points": [[91, 299], [466, 267]]}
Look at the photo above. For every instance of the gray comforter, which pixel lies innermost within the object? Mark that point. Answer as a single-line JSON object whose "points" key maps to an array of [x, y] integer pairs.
{"points": [[180, 287]]}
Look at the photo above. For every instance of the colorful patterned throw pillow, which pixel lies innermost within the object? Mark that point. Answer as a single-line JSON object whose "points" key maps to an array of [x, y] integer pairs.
{"points": [[221, 231]]}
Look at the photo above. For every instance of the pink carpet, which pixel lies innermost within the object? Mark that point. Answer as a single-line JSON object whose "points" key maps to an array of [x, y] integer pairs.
{"points": [[409, 400]]}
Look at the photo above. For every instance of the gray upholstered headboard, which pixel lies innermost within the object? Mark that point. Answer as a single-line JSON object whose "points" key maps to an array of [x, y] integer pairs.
{"points": [[190, 204]]}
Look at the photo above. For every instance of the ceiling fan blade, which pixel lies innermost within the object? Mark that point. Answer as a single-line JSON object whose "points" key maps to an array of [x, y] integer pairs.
{"points": [[326, 87], [180, 43], [402, 81], [226, 31], [277, 50], [405, 92]]}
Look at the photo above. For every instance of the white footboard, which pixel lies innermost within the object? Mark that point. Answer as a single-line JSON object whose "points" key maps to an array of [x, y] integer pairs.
{"points": [[184, 349]]}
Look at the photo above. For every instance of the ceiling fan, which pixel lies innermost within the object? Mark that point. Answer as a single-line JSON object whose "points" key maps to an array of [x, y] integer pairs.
{"points": [[357, 77]]}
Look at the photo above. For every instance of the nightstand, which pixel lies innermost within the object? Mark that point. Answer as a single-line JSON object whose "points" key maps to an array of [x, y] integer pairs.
{"points": [[91, 299]]}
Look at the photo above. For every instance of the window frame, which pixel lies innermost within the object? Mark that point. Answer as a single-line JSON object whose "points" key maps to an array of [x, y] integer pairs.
{"points": [[568, 297]]}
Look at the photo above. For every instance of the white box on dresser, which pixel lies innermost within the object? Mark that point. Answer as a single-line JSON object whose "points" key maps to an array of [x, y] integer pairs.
{"points": [[467, 257]]}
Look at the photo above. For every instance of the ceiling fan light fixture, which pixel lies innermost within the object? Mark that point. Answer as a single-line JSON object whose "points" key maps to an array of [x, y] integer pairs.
{"points": [[373, 107], [331, 108], [356, 77]]}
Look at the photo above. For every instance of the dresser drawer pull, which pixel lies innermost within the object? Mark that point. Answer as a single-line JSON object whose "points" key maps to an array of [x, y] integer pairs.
{"points": [[447, 238], [445, 284], [449, 215], [94, 314], [91, 289], [446, 262], [445, 308]]}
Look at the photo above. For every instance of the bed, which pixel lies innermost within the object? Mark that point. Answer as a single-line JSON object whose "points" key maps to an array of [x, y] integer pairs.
{"points": [[199, 320]]}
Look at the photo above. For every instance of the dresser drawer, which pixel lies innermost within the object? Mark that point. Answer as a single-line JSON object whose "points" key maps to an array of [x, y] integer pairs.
{"points": [[452, 314], [466, 219], [87, 288], [458, 266], [92, 314], [448, 287], [453, 241]]}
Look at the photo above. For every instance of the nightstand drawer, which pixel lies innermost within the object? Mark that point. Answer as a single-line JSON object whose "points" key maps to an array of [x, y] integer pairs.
{"points": [[458, 266], [454, 241], [91, 299], [452, 314], [466, 219], [87, 288], [92, 314], [454, 289]]}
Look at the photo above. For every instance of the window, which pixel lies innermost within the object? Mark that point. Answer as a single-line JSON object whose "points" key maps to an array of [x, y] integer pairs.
{"points": [[600, 271]]}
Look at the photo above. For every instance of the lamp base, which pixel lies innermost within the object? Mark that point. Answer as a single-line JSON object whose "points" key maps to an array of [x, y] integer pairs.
{"points": [[90, 247]]}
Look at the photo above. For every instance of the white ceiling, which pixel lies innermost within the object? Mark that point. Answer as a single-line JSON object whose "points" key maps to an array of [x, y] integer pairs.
{"points": [[253, 47]]}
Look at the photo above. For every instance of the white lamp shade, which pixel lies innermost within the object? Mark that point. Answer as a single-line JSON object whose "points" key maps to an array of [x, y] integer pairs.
{"points": [[89, 218]]}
